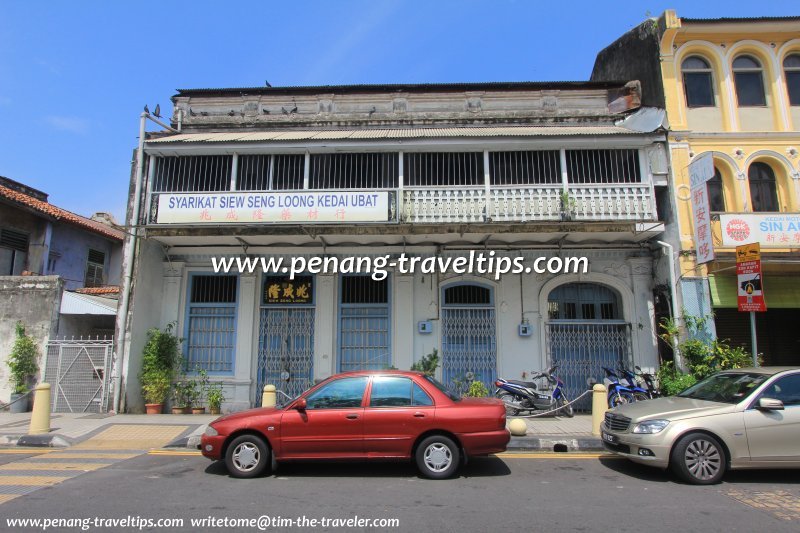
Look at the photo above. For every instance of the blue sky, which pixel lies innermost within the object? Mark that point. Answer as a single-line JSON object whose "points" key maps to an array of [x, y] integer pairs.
{"points": [[74, 76]]}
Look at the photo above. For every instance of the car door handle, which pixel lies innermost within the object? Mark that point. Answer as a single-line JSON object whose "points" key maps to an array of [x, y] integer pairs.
{"points": [[419, 414], [351, 417]]}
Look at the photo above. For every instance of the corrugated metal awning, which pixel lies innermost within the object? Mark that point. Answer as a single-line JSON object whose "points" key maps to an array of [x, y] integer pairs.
{"points": [[397, 133], [83, 304]]}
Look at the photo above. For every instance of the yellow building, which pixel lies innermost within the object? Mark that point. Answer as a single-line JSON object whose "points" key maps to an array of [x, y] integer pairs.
{"points": [[730, 87]]}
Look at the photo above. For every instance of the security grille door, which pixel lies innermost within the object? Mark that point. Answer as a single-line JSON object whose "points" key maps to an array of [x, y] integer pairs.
{"points": [[364, 341], [468, 337], [286, 336], [79, 372], [584, 334]]}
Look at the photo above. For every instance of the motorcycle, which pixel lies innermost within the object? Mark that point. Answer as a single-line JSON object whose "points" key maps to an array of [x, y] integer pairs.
{"points": [[522, 396], [639, 393], [618, 393], [650, 383]]}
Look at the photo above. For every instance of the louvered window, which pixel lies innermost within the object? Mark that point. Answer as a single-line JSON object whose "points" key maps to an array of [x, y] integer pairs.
{"points": [[13, 252], [95, 266]]}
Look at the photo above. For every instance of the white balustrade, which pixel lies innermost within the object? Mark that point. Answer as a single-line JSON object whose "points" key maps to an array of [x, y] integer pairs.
{"points": [[622, 201], [524, 204], [428, 205]]}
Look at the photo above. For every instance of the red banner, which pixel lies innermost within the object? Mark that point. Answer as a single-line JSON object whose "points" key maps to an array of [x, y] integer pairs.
{"points": [[750, 285]]}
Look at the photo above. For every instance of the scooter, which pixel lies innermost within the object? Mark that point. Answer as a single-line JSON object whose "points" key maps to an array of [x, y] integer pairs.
{"points": [[650, 383], [639, 393], [522, 396], [618, 393]]}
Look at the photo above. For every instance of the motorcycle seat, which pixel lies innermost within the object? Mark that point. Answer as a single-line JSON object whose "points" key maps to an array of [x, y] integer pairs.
{"points": [[526, 384]]}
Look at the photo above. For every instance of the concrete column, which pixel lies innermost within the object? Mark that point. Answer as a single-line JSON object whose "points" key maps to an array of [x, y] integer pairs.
{"points": [[172, 282], [246, 333], [403, 327], [325, 320]]}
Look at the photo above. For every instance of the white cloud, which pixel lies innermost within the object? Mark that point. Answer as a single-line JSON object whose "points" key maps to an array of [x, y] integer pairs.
{"points": [[70, 124]]}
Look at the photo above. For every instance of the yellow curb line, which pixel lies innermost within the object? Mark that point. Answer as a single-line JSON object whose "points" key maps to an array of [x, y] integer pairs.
{"points": [[27, 450]]}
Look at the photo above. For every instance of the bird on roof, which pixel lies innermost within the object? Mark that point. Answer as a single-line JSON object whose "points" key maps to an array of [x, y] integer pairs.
{"points": [[157, 112], [146, 110], [267, 83]]}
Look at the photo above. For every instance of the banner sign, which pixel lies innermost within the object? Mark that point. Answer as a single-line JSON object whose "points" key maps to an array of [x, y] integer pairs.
{"points": [[749, 284], [700, 171], [777, 230], [302, 207], [282, 290]]}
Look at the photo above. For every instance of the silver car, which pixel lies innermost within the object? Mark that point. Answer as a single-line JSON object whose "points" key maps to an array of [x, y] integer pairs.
{"points": [[744, 418]]}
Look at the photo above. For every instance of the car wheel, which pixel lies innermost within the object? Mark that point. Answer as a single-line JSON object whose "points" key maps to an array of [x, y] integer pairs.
{"points": [[507, 398], [567, 409], [438, 457], [699, 458], [247, 456]]}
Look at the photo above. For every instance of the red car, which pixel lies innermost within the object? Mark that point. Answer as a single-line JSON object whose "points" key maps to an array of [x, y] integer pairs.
{"points": [[392, 415]]}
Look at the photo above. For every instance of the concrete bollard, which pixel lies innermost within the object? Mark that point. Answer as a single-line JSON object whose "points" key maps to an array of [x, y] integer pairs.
{"points": [[40, 418], [599, 407], [269, 397], [518, 427]]}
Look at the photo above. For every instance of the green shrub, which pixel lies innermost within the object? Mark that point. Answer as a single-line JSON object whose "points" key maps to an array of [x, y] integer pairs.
{"points": [[428, 364], [161, 361], [672, 381], [477, 390], [22, 360]]}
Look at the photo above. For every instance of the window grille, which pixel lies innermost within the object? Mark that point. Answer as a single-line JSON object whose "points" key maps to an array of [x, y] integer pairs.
{"points": [[583, 301], [364, 290], [524, 168], [467, 295], [364, 341], [211, 323], [443, 169], [193, 173], [354, 171], [270, 172], [603, 166]]}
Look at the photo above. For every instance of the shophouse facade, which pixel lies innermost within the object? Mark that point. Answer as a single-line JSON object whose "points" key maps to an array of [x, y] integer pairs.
{"points": [[731, 90], [519, 171]]}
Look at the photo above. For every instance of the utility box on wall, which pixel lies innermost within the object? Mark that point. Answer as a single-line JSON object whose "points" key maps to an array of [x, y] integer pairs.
{"points": [[425, 326]]}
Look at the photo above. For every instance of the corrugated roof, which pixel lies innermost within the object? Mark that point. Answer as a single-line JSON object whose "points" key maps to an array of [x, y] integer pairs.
{"points": [[406, 133], [85, 304], [406, 87], [60, 214]]}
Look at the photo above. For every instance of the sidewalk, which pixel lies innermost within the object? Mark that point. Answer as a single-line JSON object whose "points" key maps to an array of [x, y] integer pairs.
{"points": [[66, 429]]}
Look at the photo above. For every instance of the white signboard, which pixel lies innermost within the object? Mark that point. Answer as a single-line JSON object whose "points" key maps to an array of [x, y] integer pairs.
{"points": [[286, 207], [776, 230], [700, 171]]}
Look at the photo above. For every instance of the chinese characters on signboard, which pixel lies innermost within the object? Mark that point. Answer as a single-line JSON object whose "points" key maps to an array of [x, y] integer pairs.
{"points": [[775, 230], [749, 285], [257, 207], [700, 171], [282, 290]]}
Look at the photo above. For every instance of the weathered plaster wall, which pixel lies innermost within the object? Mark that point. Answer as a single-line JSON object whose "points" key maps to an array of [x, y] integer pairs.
{"points": [[72, 245]]}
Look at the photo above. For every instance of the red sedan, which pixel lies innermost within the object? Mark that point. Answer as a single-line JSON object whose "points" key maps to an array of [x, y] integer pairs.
{"points": [[385, 415]]}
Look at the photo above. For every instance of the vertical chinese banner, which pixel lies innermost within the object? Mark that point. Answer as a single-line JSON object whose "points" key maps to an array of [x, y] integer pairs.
{"points": [[749, 284], [700, 171]]}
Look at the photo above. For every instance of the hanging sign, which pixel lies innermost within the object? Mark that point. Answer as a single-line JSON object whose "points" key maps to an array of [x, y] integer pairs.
{"points": [[749, 284], [775, 230], [700, 171]]}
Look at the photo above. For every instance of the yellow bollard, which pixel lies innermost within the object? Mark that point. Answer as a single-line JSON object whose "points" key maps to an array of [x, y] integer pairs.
{"points": [[599, 407], [518, 427], [40, 418], [269, 397]]}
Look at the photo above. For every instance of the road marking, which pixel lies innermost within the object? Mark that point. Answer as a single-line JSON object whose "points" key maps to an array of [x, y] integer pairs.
{"points": [[781, 504], [175, 452], [90, 455], [8, 497], [132, 437], [551, 455], [42, 481], [51, 466], [26, 450]]}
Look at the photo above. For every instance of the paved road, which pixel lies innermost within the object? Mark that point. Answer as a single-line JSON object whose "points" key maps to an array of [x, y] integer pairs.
{"points": [[564, 492]]}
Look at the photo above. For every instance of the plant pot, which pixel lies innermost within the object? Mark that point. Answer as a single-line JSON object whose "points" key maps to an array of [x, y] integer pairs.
{"points": [[187, 410], [198, 410], [213, 410], [20, 406], [179, 410], [154, 408]]}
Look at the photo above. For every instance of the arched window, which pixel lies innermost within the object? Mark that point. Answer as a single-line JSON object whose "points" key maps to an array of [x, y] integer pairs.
{"points": [[697, 82], [763, 192], [716, 198], [583, 301], [749, 82], [791, 69]]}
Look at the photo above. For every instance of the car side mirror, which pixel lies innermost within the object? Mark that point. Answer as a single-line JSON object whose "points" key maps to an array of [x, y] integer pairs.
{"points": [[770, 404], [301, 404]]}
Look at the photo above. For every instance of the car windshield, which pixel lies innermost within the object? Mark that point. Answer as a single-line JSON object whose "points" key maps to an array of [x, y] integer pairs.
{"points": [[442, 388], [727, 387]]}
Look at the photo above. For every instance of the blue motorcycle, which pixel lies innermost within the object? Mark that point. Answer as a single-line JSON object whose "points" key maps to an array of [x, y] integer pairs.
{"points": [[618, 394], [639, 393], [523, 396]]}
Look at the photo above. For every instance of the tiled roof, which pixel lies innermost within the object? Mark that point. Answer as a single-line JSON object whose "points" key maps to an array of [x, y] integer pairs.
{"points": [[110, 289], [60, 214]]}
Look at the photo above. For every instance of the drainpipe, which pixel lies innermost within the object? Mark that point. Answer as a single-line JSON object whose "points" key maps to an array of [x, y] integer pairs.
{"points": [[670, 253], [129, 253]]}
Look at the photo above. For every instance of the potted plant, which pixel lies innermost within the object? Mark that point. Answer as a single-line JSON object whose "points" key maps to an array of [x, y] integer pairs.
{"points": [[160, 361], [199, 390], [22, 363], [214, 397], [569, 206]]}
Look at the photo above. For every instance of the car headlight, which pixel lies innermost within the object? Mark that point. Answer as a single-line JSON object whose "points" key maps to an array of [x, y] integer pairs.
{"points": [[650, 426], [211, 432]]}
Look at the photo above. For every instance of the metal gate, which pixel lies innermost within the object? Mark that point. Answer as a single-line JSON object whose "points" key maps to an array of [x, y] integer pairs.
{"points": [[469, 347], [78, 371], [364, 337], [285, 350]]}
